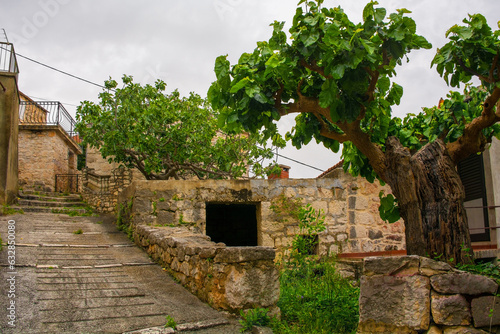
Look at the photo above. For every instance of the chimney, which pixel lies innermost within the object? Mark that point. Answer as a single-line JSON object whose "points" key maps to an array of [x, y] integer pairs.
{"points": [[285, 173]]}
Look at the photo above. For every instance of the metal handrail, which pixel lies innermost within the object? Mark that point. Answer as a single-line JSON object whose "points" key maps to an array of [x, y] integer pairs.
{"points": [[8, 61], [67, 182], [47, 113]]}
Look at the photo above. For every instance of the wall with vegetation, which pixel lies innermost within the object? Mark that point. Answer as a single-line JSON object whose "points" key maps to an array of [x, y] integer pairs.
{"points": [[350, 208]]}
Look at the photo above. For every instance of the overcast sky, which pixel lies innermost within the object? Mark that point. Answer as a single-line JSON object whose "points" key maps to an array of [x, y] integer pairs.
{"points": [[178, 41]]}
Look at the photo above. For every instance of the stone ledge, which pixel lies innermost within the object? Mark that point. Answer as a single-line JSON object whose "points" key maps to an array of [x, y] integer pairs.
{"points": [[228, 278]]}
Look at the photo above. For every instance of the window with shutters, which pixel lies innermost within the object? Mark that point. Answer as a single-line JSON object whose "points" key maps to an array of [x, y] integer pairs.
{"points": [[471, 171]]}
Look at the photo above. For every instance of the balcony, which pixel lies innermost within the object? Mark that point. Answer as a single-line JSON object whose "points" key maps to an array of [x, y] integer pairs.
{"points": [[45, 114], [8, 61]]}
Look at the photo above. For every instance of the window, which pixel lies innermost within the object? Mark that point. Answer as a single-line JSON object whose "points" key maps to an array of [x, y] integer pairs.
{"points": [[232, 224], [471, 171]]}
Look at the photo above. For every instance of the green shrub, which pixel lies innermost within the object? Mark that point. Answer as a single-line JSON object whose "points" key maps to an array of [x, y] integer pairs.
{"points": [[315, 299], [171, 322], [254, 317], [486, 269]]}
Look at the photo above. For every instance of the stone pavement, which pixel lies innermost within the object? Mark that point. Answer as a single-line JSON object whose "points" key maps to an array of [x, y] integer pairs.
{"points": [[82, 275]]}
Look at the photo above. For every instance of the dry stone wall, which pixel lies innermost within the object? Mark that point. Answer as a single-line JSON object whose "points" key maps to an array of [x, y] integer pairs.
{"points": [[350, 208], [228, 278], [101, 191], [412, 294]]}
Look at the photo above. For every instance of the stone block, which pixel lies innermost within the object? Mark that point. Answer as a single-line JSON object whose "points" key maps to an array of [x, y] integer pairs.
{"points": [[463, 330], [389, 302], [361, 203], [482, 308], [450, 310], [244, 254], [434, 330], [430, 267], [463, 283], [395, 266], [252, 287], [375, 234]]}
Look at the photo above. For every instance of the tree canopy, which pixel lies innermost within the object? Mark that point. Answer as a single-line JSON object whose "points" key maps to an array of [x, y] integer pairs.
{"points": [[339, 77], [166, 135]]}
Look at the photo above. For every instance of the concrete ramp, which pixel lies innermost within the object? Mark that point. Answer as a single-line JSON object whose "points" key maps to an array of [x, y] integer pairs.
{"points": [[82, 275]]}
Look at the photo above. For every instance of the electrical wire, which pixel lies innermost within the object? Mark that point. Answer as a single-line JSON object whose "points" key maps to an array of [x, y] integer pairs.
{"points": [[101, 86], [296, 161], [54, 69], [60, 71]]}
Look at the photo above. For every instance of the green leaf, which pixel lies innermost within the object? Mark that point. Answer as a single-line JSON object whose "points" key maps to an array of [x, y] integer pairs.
{"points": [[338, 71], [273, 61], [328, 94], [462, 32], [368, 11], [369, 46], [221, 67], [239, 85], [383, 84], [309, 38], [380, 14], [395, 94], [232, 118]]}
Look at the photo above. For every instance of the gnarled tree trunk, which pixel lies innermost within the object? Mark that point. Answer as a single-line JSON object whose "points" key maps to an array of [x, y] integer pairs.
{"points": [[430, 197]]}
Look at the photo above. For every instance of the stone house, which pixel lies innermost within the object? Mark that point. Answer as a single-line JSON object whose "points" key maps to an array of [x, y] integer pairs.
{"points": [[48, 145]]}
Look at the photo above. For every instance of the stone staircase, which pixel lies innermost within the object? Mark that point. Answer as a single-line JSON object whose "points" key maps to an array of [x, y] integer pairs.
{"points": [[51, 202]]}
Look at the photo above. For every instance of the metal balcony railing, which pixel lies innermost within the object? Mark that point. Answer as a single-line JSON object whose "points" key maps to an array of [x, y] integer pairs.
{"points": [[8, 61], [48, 113]]}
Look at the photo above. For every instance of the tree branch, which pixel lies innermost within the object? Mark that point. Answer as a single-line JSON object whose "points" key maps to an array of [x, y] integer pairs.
{"points": [[493, 67], [473, 139], [326, 132], [471, 71], [315, 68]]}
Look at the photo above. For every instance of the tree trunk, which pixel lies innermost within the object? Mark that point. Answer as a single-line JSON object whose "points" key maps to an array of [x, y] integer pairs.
{"points": [[430, 197]]}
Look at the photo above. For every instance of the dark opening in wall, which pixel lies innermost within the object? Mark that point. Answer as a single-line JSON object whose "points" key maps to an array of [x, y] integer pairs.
{"points": [[232, 224]]}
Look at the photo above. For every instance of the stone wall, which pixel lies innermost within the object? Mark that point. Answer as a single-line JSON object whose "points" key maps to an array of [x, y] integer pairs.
{"points": [[101, 191], [228, 278], [350, 208], [43, 153], [9, 106], [412, 294]]}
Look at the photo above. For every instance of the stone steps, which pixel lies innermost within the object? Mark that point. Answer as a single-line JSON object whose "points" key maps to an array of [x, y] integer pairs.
{"points": [[51, 202], [48, 203], [62, 198]]}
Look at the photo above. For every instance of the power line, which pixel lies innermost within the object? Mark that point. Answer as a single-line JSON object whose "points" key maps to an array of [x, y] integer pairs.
{"points": [[60, 71], [296, 161], [101, 86], [41, 98], [55, 69]]}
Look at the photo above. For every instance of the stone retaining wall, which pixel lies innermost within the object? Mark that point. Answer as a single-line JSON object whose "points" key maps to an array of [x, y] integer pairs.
{"points": [[350, 208], [228, 278], [101, 191], [412, 294]]}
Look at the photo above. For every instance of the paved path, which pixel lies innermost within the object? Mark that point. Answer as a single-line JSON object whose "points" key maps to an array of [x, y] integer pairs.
{"points": [[96, 281]]}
